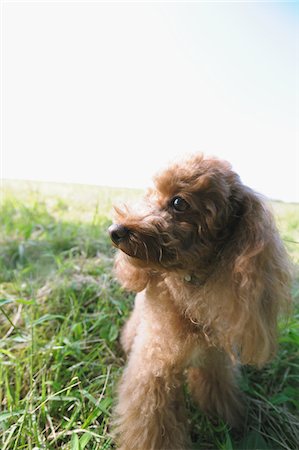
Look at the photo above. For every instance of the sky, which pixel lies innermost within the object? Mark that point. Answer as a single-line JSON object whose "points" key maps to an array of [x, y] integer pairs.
{"points": [[107, 93]]}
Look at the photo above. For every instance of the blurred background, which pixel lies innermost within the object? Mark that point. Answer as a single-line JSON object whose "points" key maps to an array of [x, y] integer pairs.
{"points": [[107, 93]]}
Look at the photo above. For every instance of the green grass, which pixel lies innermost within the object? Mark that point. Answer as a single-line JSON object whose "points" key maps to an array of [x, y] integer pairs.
{"points": [[60, 315]]}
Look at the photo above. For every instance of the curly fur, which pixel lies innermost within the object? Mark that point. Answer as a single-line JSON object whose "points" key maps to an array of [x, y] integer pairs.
{"points": [[211, 281]]}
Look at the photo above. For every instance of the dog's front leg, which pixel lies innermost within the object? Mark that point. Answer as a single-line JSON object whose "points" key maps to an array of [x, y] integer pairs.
{"points": [[214, 387], [150, 414]]}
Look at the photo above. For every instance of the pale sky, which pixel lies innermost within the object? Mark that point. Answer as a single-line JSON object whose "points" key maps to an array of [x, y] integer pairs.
{"points": [[107, 93]]}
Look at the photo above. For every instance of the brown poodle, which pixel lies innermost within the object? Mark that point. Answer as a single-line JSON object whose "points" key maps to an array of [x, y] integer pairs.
{"points": [[211, 273]]}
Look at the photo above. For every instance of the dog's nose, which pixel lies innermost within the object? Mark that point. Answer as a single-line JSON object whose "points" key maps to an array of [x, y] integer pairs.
{"points": [[118, 233]]}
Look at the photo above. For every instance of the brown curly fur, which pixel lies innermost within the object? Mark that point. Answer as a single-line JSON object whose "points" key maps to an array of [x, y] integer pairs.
{"points": [[211, 281]]}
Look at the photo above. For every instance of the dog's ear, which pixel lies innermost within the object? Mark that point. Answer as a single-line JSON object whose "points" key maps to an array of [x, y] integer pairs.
{"points": [[260, 276], [130, 277]]}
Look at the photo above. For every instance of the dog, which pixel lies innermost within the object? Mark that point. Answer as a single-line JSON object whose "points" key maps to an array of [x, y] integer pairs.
{"points": [[211, 274]]}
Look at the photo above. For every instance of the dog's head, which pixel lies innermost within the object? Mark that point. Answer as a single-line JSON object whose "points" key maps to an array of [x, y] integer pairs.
{"points": [[185, 221]]}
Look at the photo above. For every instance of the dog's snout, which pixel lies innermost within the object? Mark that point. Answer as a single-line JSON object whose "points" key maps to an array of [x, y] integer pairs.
{"points": [[118, 233]]}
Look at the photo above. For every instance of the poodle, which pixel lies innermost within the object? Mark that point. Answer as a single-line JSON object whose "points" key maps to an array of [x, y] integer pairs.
{"points": [[211, 274]]}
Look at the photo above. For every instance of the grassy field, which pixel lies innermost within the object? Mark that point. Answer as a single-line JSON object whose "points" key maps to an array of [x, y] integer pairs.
{"points": [[60, 315]]}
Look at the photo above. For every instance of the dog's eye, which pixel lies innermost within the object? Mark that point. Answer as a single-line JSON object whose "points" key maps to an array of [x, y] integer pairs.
{"points": [[179, 204]]}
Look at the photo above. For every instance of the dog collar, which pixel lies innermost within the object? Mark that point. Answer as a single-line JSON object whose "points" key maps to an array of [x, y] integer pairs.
{"points": [[192, 279]]}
